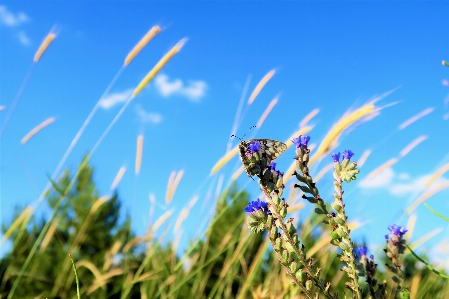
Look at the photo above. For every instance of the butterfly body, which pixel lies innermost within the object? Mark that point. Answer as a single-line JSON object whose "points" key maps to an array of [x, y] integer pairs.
{"points": [[269, 148]]}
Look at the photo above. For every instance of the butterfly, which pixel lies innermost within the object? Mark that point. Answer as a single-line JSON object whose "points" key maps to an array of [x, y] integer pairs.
{"points": [[272, 149]]}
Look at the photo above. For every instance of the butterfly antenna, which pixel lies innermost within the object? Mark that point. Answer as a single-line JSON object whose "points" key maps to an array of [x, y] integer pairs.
{"points": [[243, 135]]}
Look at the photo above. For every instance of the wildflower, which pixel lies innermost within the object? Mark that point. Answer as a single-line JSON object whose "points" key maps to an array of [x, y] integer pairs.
{"points": [[362, 251], [254, 146], [347, 154], [273, 165], [397, 230], [336, 157], [257, 205], [301, 140]]}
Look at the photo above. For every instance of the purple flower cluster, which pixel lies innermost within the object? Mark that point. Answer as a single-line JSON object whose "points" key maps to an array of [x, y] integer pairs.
{"points": [[256, 205], [397, 230], [301, 140], [347, 155]]}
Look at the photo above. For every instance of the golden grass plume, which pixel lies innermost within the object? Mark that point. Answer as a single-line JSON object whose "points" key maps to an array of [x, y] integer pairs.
{"points": [[266, 112], [412, 145], [142, 43], [260, 85], [425, 196], [18, 222], [426, 238], [363, 158], [414, 118], [437, 174], [35, 130], [382, 168], [118, 177], [139, 153], [330, 141], [225, 159], [161, 63], [173, 182], [308, 117], [44, 45]]}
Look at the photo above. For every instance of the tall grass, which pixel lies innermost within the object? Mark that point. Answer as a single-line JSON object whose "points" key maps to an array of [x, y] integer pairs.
{"points": [[228, 262]]}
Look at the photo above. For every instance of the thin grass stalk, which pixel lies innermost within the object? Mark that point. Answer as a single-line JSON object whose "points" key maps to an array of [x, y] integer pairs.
{"points": [[118, 178], [237, 119], [381, 168], [36, 129], [139, 153], [20, 220], [45, 228], [425, 196], [260, 85], [414, 118], [308, 117], [142, 43], [252, 271], [442, 170], [266, 112], [363, 158], [44, 45], [412, 145]]}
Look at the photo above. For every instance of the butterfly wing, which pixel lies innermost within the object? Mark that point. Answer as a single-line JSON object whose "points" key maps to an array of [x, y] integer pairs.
{"points": [[271, 148]]}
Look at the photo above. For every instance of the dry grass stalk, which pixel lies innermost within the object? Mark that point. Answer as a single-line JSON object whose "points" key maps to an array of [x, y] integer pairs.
{"points": [[415, 118], [118, 177], [225, 159], [296, 207], [323, 171], [133, 242], [381, 168], [266, 112], [308, 117], [414, 286], [37, 129], [142, 43], [109, 256], [161, 220], [91, 267], [139, 153], [173, 182], [437, 174], [15, 225], [103, 279], [260, 85], [181, 218], [331, 139], [236, 174], [50, 232], [363, 158], [161, 63], [426, 238], [412, 145], [48, 39], [425, 196], [411, 227]]}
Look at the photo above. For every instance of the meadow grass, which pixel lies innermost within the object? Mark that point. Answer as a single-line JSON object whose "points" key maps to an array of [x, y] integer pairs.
{"points": [[230, 261]]}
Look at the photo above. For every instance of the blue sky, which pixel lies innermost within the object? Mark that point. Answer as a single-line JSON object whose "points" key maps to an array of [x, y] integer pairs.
{"points": [[332, 56]]}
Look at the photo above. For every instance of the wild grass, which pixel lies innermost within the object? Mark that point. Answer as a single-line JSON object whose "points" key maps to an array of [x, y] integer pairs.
{"points": [[61, 257]]}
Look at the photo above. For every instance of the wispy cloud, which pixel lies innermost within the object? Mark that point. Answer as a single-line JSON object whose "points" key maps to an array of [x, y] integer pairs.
{"points": [[399, 184], [115, 98], [193, 91], [147, 117], [10, 19], [23, 38]]}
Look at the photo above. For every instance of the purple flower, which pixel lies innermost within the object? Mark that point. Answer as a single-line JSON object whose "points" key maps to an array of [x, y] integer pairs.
{"points": [[305, 140], [397, 230], [297, 141], [257, 205], [273, 165], [254, 146], [336, 157], [301, 140], [347, 154], [362, 251]]}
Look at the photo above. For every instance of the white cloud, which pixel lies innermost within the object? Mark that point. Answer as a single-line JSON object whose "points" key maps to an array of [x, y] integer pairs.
{"points": [[115, 98], [400, 184], [194, 90], [147, 117], [10, 19], [23, 38], [382, 179]]}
